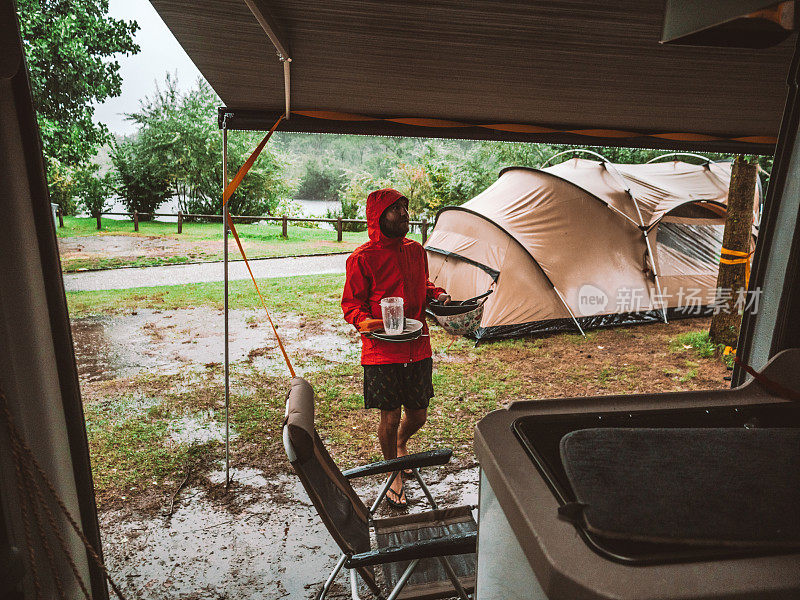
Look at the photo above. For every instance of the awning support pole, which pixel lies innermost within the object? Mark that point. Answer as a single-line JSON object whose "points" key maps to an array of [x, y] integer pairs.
{"points": [[274, 32], [225, 277], [286, 83], [569, 310]]}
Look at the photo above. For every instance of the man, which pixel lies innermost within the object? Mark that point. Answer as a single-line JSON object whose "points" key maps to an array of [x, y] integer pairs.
{"points": [[396, 374]]}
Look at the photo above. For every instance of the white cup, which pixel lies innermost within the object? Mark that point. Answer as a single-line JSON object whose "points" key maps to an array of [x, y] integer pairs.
{"points": [[392, 315]]}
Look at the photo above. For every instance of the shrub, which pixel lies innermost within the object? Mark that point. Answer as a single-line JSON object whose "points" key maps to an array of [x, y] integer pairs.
{"points": [[141, 179], [321, 181], [93, 190], [353, 202], [61, 184]]}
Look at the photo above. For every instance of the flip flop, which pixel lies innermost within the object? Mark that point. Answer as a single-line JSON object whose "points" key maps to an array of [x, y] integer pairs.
{"points": [[400, 502]]}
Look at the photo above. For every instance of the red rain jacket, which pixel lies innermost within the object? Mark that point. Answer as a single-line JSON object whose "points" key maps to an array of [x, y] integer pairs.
{"points": [[386, 267]]}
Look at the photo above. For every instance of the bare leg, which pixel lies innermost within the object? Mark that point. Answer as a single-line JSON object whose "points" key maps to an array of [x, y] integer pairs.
{"points": [[387, 432], [387, 436], [414, 419]]}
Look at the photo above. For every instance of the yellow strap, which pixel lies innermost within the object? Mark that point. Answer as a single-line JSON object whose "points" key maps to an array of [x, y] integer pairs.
{"points": [[229, 190], [231, 187], [735, 252], [745, 260], [734, 261]]}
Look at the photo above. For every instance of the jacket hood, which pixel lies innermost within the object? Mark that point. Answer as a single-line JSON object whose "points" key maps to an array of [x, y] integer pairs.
{"points": [[377, 202]]}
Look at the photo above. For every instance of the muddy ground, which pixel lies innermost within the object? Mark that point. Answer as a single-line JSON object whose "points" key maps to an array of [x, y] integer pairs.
{"points": [[134, 247], [111, 347], [260, 540], [183, 535]]}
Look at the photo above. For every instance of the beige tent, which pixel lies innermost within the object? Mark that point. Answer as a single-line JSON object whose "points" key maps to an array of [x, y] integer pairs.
{"points": [[574, 246]]}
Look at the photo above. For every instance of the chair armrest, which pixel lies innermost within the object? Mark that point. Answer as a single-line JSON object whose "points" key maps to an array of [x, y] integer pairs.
{"points": [[462, 543], [440, 456]]}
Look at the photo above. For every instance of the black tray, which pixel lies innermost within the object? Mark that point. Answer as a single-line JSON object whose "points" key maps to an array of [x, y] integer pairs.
{"points": [[411, 331]]}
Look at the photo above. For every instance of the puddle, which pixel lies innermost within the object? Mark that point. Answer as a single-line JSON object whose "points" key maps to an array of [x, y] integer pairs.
{"points": [[249, 477], [274, 547], [109, 347], [198, 429]]}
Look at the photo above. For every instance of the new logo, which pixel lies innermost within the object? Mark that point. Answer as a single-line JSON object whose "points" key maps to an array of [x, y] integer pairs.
{"points": [[591, 300]]}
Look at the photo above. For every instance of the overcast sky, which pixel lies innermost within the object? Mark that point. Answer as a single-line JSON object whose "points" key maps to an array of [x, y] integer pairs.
{"points": [[160, 53]]}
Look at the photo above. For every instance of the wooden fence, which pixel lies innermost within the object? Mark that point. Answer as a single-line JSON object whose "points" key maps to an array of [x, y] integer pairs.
{"points": [[339, 222]]}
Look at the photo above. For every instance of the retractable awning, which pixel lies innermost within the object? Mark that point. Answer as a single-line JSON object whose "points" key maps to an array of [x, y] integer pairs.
{"points": [[560, 71]]}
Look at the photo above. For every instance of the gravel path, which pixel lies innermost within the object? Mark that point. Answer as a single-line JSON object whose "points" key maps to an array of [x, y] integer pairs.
{"points": [[116, 279]]}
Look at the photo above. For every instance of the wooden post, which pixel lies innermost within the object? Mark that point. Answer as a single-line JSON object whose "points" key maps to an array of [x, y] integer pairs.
{"points": [[180, 221], [339, 229], [285, 223], [136, 220], [60, 217], [735, 250], [99, 223], [424, 230]]}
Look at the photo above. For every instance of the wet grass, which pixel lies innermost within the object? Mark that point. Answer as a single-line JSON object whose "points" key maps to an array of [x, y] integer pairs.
{"points": [[201, 242], [130, 451], [314, 296], [131, 422], [697, 341], [80, 226], [130, 427]]}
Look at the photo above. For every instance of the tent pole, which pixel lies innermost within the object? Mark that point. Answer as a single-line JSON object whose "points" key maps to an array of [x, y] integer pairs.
{"points": [[569, 310], [225, 277], [618, 211], [655, 274], [644, 234], [650, 254]]}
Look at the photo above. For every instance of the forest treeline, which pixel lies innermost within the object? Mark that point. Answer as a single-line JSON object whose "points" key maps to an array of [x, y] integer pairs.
{"points": [[176, 152]]}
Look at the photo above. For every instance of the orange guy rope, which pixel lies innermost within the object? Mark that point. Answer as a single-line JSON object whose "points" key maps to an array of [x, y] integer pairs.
{"points": [[229, 190]]}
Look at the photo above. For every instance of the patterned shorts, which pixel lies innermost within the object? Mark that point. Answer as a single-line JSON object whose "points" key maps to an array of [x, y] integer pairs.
{"points": [[403, 384]]}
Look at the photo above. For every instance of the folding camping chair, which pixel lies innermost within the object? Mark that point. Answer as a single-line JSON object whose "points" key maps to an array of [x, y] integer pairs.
{"points": [[424, 556]]}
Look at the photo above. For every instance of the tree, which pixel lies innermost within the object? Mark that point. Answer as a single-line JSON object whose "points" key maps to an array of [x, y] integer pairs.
{"points": [[93, 190], [62, 187], [736, 239], [141, 179], [68, 47], [321, 181], [353, 201], [179, 138]]}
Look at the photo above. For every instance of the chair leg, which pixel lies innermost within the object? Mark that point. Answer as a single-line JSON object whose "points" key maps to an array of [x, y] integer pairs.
{"points": [[462, 593], [324, 591], [354, 585], [382, 493], [401, 583], [425, 490]]}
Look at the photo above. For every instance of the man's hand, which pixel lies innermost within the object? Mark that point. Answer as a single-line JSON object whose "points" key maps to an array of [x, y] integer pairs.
{"points": [[443, 298]]}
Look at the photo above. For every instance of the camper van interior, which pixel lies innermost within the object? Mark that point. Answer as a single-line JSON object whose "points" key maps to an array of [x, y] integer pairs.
{"points": [[677, 75]]}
